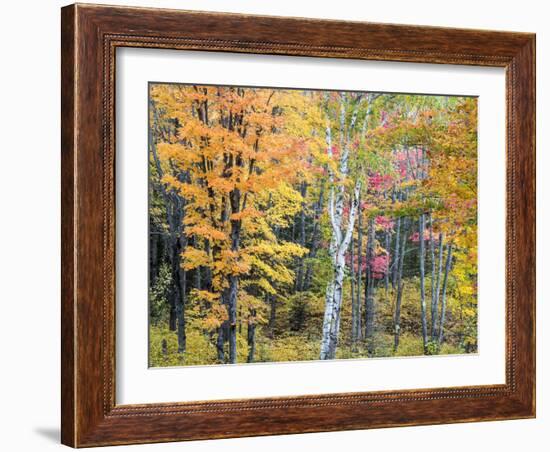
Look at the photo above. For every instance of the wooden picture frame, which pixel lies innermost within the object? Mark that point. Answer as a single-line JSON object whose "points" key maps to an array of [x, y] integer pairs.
{"points": [[90, 36]]}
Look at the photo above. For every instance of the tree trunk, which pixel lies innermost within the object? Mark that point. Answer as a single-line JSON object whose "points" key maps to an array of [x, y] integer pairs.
{"points": [[353, 300], [175, 290], [174, 219], [338, 289], [180, 314], [299, 285], [369, 288], [229, 332], [387, 247], [333, 299], [400, 287], [153, 257], [444, 292], [272, 302], [421, 227], [357, 314], [438, 284], [251, 338], [182, 299], [397, 318], [396, 254], [173, 320], [220, 343], [232, 307], [207, 269], [327, 321], [341, 236], [433, 310]]}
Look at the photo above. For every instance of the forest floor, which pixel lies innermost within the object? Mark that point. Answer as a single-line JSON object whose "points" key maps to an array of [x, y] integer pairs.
{"points": [[284, 345]]}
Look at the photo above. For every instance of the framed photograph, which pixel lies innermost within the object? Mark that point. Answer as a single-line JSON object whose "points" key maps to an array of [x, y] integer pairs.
{"points": [[280, 225]]}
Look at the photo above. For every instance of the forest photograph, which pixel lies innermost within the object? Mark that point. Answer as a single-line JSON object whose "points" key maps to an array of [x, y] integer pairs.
{"points": [[300, 224]]}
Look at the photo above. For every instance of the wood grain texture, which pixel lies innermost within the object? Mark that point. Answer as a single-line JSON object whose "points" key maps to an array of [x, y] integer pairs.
{"points": [[68, 146], [90, 36]]}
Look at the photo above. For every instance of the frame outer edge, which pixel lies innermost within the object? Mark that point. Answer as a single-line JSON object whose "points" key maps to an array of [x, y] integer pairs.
{"points": [[534, 225], [525, 61], [68, 230]]}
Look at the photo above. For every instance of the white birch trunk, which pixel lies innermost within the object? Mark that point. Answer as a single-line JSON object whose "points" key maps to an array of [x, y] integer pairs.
{"points": [[341, 236], [333, 300]]}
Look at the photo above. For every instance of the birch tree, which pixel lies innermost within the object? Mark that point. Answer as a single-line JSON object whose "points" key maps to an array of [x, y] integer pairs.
{"points": [[341, 232]]}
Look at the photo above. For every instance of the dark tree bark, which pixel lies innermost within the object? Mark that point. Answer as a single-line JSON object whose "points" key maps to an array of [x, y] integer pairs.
{"points": [[220, 343], [182, 299], [395, 264], [173, 320], [353, 299], [207, 270], [421, 227], [438, 284], [175, 215], [400, 287], [357, 314], [299, 281], [197, 271], [232, 306], [154, 258], [433, 310], [387, 246], [444, 292], [232, 291], [251, 339], [369, 288]]}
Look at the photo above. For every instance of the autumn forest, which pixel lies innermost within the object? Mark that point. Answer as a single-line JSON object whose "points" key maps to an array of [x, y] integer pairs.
{"points": [[293, 225]]}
